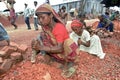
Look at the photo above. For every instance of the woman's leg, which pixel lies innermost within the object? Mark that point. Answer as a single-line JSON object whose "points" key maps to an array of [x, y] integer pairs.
{"points": [[96, 47], [13, 23]]}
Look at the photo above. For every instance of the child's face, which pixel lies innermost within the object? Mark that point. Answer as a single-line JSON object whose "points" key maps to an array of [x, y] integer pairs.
{"points": [[77, 30]]}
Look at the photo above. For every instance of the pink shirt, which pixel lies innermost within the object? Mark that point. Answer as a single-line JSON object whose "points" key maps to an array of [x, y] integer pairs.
{"points": [[12, 13]]}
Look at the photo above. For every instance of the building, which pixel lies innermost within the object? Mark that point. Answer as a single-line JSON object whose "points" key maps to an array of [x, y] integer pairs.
{"points": [[89, 6]]}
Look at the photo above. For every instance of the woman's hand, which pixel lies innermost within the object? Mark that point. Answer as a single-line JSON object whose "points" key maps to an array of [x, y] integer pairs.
{"points": [[35, 44]]}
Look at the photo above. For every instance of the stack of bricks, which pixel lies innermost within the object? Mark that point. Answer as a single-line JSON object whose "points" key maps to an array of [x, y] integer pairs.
{"points": [[10, 55]]}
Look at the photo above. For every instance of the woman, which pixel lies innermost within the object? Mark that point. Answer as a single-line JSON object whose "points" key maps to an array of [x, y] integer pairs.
{"points": [[87, 43], [54, 39], [3, 34], [12, 13]]}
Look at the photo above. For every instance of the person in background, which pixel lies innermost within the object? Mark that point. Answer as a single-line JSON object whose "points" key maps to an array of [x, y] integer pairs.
{"points": [[4, 35], [113, 15], [64, 14], [27, 14], [60, 13], [53, 41], [82, 18], [76, 13], [105, 25], [87, 43], [35, 17], [10, 6], [107, 15]]}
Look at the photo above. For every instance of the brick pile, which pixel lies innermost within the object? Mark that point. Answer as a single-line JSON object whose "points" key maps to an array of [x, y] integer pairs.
{"points": [[10, 55]]}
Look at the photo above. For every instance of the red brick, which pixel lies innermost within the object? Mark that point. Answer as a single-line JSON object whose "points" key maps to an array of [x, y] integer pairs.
{"points": [[2, 53], [13, 44], [11, 49], [16, 56], [1, 60], [7, 51], [4, 48], [6, 65], [22, 48]]}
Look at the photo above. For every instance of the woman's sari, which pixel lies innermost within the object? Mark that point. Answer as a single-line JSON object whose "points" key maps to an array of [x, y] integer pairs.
{"points": [[70, 48], [57, 35]]}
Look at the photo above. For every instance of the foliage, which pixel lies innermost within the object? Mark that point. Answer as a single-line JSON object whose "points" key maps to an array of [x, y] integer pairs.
{"points": [[110, 3]]}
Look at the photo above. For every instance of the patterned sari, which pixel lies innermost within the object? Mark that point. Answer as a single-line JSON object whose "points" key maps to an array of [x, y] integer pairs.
{"points": [[50, 39], [70, 48]]}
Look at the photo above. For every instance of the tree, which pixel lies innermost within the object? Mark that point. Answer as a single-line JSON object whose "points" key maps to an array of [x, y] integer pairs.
{"points": [[110, 3], [83, 2]]}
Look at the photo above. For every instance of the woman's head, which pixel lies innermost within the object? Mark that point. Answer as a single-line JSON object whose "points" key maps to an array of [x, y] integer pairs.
{"points": [[46, 14], [77, 26]]}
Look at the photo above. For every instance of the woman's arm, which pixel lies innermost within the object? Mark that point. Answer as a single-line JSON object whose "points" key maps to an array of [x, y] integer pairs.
{"points": [[54, 49]]}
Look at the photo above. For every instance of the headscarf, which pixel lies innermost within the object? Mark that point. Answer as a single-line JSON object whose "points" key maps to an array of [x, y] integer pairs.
{"points": [[46, 8], [76, 23]]}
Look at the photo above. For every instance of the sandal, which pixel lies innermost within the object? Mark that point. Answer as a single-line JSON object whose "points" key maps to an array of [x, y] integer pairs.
{"points": [[68, 73]]}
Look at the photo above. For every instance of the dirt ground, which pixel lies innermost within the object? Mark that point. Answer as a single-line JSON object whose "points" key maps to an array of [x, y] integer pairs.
{"points": [[90, 67]]}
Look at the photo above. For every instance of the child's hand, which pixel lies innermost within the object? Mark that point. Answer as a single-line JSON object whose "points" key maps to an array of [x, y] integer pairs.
{"points": [[79, 42]]}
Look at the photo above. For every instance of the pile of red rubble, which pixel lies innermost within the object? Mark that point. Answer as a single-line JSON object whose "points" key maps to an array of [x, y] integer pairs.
{"points": [[10, 55], [90, 67]]}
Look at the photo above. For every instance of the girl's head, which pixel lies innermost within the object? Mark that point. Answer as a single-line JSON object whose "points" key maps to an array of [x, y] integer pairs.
{"points": [[77, 26]]}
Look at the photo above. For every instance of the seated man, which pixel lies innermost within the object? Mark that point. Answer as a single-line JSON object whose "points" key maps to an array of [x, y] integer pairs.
{"points": [[3, 34], [87, 43]]}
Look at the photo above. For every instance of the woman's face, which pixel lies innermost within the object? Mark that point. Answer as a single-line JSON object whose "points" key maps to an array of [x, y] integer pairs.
{"points": [[77, 30], [44, 19]]}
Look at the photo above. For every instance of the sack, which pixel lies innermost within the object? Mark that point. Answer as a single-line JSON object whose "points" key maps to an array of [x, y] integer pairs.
{"points": [[70, 49]]}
